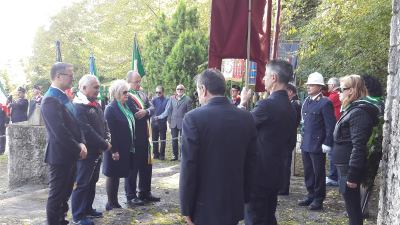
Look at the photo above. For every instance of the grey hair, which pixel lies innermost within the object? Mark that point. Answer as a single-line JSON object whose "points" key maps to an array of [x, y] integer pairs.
{"points": [[132, 73], [335, 81], [86, 80], [117, 87]]}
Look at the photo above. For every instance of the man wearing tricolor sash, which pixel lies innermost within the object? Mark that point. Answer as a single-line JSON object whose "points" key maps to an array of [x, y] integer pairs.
{"points": [[141, 164]]}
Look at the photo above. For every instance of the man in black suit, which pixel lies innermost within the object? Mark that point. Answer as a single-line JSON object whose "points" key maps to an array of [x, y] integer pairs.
{"points": [[141, 163], [65, 142], [275, 120], [295, 103], [218, 154], [19, 108]]}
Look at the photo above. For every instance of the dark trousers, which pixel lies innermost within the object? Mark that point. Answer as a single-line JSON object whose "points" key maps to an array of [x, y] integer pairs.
{"points": [[61, 182], [314, 175], [287, 173], [175, 132], [351, 197], [87, 175], [262, 206], [159, 131], [333, 175], [2, 139], [139, 166]]}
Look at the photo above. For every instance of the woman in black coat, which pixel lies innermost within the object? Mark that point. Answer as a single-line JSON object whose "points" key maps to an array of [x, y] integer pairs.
{"points": [[351, 135], [121, 123]]}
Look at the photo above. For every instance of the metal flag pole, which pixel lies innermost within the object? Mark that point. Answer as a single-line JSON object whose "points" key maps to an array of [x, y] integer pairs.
{"points": [[246, 75]]}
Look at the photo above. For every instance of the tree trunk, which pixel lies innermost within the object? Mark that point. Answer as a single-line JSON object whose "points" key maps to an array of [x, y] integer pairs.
{"points": [[389, 204]]}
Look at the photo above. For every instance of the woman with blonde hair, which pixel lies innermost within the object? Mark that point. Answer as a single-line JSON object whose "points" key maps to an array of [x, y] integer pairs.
{"points": [[121, 122], [352, 131]]}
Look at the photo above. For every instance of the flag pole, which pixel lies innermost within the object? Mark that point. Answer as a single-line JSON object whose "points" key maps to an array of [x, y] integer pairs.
{"points": [[248, 46], [277, 30]]}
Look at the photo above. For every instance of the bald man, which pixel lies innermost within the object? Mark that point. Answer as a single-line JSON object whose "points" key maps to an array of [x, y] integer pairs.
{"points": [[139, 104]]}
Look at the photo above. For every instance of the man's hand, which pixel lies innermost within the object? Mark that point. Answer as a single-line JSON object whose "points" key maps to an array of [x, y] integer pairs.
{"points": [[189, 220], [109, 146], [140, 114], [351, 185], [115, 156], [83, 152], [326, 148], [245, 96]]}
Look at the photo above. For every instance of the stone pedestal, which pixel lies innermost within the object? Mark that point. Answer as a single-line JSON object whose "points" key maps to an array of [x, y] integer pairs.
{"points": [[26, 145]]}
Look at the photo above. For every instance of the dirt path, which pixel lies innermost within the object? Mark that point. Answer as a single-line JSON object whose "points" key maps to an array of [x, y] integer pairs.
{"points": [[26, 205]]}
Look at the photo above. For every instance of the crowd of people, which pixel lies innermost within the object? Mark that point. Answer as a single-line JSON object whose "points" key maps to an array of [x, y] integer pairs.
{"points": [[234, 162]]}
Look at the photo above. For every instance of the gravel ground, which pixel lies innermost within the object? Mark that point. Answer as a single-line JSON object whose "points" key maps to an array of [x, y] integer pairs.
{"points": [[26, 205]]}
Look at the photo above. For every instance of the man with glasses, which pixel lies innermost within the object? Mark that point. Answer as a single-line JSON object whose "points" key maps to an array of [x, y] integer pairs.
{"points": [[141, 164], [177, 107], [65, 142], [159, 126]]}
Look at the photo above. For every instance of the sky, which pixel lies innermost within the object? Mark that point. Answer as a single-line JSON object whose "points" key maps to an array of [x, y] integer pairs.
{"points": [[19, 20]]}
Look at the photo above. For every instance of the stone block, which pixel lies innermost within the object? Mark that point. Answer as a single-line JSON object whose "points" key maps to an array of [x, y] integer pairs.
{"points": [[26, 150]]}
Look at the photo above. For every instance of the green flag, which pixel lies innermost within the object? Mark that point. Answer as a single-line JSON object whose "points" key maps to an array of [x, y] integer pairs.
{"points": [[137, 64]]}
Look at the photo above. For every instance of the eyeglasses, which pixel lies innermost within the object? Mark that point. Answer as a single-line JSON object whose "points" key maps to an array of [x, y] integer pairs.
{"points": [[342, 89], [180, 89], [158, 92], [125, 92], [67, 74]]}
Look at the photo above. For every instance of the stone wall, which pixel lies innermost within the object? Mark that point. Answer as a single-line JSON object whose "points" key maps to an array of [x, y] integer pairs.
{"points": [[26, 148], [389, 204]]}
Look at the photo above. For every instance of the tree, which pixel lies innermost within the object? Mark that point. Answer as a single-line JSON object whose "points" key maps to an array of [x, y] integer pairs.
{"points": [[181, 46], [346, 37]]}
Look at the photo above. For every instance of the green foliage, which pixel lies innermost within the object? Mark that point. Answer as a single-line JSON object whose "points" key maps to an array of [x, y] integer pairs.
{"points": [[347, 37], [107, 28], [181, 47]]}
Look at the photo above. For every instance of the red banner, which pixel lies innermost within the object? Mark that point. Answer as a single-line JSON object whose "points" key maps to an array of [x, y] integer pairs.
{"points": [[228, 34]]}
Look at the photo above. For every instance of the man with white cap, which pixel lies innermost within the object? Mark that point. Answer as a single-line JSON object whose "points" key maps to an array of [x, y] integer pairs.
{"points": [[318, 124]]}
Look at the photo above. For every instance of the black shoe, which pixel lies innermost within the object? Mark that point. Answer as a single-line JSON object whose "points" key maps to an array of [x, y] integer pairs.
{"points": [[110, 206], [174, 159], [305, 202], [149, 198], [94, 214], [315, 206], [135, 202]]}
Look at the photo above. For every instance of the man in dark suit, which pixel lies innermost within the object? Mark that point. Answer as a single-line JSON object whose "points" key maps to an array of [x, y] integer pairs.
{"points": [[295, 103], [275, 120], [318, 124], [98, 138], [65, 142], [217, 160], [139, 104], [19, 108]]}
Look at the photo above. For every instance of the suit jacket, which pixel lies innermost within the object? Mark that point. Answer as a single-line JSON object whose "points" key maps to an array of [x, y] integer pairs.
{"points": [[275, 120], [19, 110], [141, 125], [318, 124], [121, 142], [94, 126], [63, 132], [177, 110], [218, 154]]}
